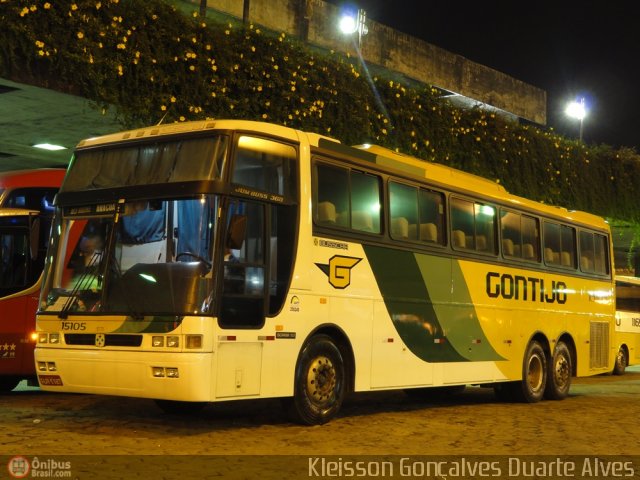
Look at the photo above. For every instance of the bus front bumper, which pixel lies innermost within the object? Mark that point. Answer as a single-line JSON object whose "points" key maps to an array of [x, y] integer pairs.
{"points": [[159, 375]]}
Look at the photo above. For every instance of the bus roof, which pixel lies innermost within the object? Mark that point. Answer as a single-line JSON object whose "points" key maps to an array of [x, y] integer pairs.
{"points": [[39, 177], [199, 126], [628, 279]]}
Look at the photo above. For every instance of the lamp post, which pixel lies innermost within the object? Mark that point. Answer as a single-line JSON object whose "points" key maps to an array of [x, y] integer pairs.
{"points": [[350, 24], [577, 110]]}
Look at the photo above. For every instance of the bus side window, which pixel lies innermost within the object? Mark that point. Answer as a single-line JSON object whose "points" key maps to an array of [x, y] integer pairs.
{"points": [[431, 216], [627, 296], [551, 243], [530, 238], [474, 221], [332, 196], [365, 202], [593, 253], [403, 211], [462, 228], [586, 252]]}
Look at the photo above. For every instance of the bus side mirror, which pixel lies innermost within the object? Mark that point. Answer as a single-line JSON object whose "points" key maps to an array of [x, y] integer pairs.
{"points": [[237, 231], [34, 237]]}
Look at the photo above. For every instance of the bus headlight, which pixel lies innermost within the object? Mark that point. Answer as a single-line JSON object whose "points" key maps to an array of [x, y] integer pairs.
{"points": [[43, 338], [157, 341], [54, 338], [193, 341], [173, 341]]}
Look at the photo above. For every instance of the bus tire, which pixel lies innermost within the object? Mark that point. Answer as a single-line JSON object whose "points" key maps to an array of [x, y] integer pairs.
{"points": [[559, 374], [621, 362], [7, 384], [534, 375], [319, 386], [174, 407]]}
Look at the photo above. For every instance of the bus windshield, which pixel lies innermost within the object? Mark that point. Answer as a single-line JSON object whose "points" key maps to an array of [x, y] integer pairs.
{"points": [[151, 257]]}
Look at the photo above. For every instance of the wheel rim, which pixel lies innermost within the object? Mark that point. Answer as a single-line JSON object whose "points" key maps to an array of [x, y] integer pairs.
{"points": [[621, 359], [321, 380], [535, 373], [561, 372]]}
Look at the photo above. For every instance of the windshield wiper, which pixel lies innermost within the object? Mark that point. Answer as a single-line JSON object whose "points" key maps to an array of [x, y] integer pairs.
{"points": [[83, 283]]}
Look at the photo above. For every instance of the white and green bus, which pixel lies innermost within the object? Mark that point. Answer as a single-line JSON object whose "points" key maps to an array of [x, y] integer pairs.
{"points": [[225, 260]]}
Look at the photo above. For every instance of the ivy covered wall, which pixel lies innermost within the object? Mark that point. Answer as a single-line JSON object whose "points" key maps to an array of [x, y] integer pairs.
{"points": [[151, 62]]}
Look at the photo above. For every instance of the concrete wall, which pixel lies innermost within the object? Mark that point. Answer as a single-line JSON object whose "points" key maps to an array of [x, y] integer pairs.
{"points": [[316, 21]]}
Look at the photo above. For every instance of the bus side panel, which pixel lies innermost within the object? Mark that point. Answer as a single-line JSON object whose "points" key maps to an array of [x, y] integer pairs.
{"points": [[17, 323], [431, 334], [515, 304]]}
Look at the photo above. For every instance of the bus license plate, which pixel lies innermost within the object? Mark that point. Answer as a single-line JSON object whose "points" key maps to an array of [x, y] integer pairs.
{"points": [[54, 380]]}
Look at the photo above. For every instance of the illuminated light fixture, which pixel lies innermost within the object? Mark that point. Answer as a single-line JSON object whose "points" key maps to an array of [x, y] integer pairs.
{"points": [[148, 278], [350, 24], [578, 110], [49, 146]]}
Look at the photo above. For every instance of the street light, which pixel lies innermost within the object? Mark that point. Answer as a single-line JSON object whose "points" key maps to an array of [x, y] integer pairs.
{"points": [[577, 110], [350, 24]]}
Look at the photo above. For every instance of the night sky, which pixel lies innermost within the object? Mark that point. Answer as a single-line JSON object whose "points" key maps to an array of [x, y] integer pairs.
{"points": [[571, 49]]}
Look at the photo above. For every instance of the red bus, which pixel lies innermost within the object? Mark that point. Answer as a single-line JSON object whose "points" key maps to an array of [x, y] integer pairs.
{"points": [[26, 210]]}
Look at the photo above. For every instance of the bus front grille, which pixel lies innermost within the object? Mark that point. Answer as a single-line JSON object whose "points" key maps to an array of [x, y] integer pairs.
{"points": [[109, 340]]}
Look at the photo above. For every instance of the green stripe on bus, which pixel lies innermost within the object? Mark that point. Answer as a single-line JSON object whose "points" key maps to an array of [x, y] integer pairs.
{"points": [[454, 307], [407, 300]]}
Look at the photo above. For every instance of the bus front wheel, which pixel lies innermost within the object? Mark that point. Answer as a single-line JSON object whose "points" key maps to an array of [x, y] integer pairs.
{"points": [[319, 382], [621, 362], [559, 375], [534, 375]]}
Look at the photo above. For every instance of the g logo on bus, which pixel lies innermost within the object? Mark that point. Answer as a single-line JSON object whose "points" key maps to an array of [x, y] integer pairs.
{"points": [[338, 270], [100, 340]]}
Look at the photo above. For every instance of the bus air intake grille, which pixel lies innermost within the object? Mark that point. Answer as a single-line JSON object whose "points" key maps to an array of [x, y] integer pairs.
{"points": [[110, 340], [599, 345]]}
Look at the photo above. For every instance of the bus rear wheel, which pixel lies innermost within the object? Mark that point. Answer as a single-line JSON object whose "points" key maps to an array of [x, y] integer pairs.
{"points": [[319, 383], [534, 375], [559, 375], [621, 362]]}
